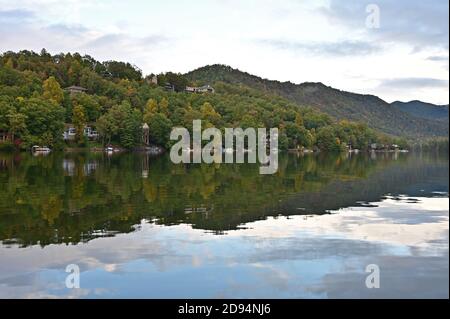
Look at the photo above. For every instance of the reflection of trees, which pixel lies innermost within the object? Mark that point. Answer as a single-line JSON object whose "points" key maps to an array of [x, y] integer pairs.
{"points": [[72, 198]]}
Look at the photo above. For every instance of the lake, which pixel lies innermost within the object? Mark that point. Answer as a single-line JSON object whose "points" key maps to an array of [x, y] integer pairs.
{"points": [[142, 227]]}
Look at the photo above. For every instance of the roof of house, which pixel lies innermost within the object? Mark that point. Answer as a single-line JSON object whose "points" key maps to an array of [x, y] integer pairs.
{"points": [[206, 87], [77, 88]]}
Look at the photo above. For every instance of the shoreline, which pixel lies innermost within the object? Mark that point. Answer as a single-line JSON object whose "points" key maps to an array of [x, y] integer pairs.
{"points": [[156, 150]]}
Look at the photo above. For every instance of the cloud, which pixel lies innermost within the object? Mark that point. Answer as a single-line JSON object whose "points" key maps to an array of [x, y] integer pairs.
{"points": [[336, 49], [413, 83], [22, 29], [438, 58], [420, 24], [112, 41], [11, 16], [71, 30]]}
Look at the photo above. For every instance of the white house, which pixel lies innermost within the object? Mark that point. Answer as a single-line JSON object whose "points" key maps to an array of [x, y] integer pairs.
{"points": [[202, 89], [70, 132]]}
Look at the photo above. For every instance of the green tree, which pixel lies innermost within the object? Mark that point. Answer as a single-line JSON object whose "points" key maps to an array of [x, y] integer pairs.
{"points": [[42, 118], [176, 79], [90, 104], [107, 128], [79, 122], [305, 138], [121, 124], [17, 124], [132, 129], [6, 108], [159, 128], [10, 63], [328, 141]]}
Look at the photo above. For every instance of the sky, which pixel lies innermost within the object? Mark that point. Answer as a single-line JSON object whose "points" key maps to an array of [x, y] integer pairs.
{"points": [[397, 50]]}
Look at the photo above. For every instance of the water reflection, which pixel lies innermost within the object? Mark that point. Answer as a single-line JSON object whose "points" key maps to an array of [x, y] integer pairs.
{"points": [[142, 227]]}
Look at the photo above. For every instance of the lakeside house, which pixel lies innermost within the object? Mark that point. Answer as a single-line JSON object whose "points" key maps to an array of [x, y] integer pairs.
{"points": [[70, 132], [75, 89], [202, 89], [90, 132], [152, 79], [169, 87], [4, 136], [191, 89], [384, 147]]}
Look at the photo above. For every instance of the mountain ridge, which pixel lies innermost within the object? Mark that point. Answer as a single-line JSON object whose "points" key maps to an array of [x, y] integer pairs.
{"points": [[423, 109], [367, 108]]}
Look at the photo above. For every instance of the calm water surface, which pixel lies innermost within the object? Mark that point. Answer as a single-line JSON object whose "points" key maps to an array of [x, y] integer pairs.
{"points": [[143, 227]]}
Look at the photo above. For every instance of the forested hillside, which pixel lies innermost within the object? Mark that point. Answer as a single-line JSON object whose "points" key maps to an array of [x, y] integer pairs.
{"points": [[423, 110], [117, 99], [367, 109]]}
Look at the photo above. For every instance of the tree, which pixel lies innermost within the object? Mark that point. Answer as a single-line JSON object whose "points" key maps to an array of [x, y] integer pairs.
{"points": [[79, 122], [283, 141], [298, 120], [121, 124], [52, 90], [132, 129], [159, 128], [90, 104], [106, 127], [122, 70], [209, 115], [189, 115], [17, 124], [328, 141], [6, 108], [164, 106], [176, 79], [292, 132], [305, 138], [10, 63], [151, 108], [42, 118], [74, 72], [315, 120]]}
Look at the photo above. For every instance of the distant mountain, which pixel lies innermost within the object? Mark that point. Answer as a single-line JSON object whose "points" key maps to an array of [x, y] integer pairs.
{"points": [[369, 109], [423, 110]]}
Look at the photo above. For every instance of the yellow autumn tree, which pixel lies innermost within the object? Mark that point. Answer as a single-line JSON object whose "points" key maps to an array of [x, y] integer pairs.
{"points": [[79, 121], [164, 106], [52, 90]]}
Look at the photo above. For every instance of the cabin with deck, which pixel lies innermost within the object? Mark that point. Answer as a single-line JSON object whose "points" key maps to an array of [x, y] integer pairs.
{"points": [[75, 89], [169, 87]]}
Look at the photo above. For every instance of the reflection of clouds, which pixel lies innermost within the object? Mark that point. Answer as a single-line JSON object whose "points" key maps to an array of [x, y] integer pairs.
{"points": [[394, 222], [400, 276], [301, 256], [34, 286]]}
